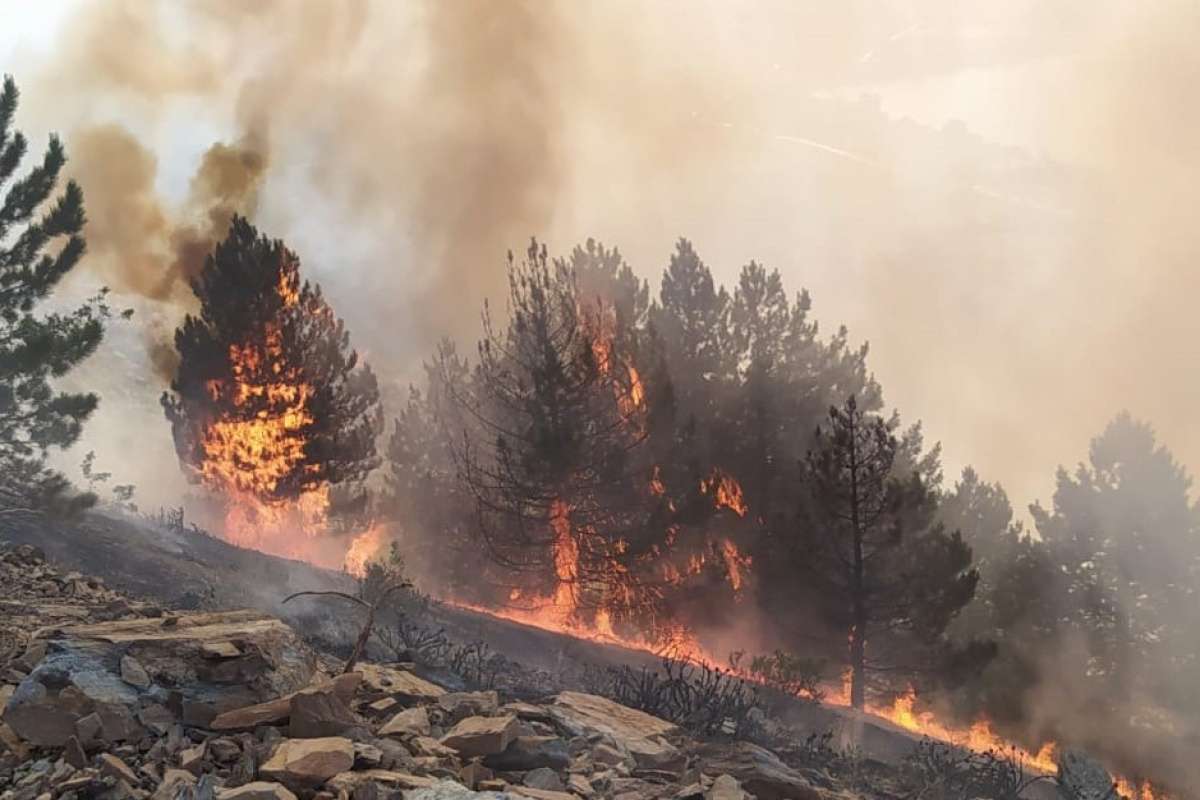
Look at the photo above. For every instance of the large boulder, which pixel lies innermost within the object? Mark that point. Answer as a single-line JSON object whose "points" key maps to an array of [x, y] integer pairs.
{"points": [[257, 790], [481, 736], [757, 770], [450, 790], [87, 670], [279, 709], [530, 752], [309, 762], [409, 722], [325, 710], [388, 780], [380, 680], [642, 735]]}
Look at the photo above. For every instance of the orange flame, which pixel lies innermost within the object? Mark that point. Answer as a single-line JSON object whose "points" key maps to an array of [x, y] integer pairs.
{"points": [[248, 451], [1135, 791], [725, 490], [364, 548], [735, 564]]}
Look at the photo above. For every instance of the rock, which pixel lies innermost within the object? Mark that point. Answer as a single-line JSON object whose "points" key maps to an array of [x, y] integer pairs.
{"points": [[367, 756], [134, 673], [82, 674], [473, 773], [279, 709], [173, 780], [425, 746], [413, 721], [156, 717], [314, 714], [493, 785], [609, 755], [527, 711], [220, 650], [192, 758], [224, 750], [32, 656], [382, 680], [541, 794], [116, 768], [531, 752], [309, 762], [481, 736], [385, 779], [725, 787], [460, 705], [580, 785], [641, 734], [150, 770], [257, 790], [757, 770], [449, 790], [543, 778], [88, 728], [73, 753], [395, 755], [382, 706]]}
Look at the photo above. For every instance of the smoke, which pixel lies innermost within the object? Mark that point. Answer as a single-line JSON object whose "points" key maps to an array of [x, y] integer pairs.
{"points": [[1020, 254], [138, 244]]}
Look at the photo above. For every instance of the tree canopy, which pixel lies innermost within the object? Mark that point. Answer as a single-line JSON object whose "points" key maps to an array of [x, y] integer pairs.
{"points": [[41, 241]]}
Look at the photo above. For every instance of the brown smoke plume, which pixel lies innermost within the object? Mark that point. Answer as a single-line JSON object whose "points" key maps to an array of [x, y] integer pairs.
{"points": [[137, 243]]}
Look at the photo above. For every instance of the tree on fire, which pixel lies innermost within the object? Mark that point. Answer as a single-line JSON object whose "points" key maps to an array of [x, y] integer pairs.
{"points": [[888, 581], [39, 245], [266, 376], [548, 439]]}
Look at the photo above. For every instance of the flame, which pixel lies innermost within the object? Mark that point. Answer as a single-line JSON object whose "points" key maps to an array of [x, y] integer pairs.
{"points": [[1135, 791], [725, 490], [978, 737], [364, 548], [259, 440], [657, 487], [735, 564], [631, 399], [566, 562]]}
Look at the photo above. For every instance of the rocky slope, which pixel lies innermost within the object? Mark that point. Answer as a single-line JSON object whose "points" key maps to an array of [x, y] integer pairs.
{"points": [[106, 697], [109, 696]]}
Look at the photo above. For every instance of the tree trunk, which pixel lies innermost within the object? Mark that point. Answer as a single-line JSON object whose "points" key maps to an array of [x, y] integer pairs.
{"points": [[858, 669], [360, 645], [858, 634]]}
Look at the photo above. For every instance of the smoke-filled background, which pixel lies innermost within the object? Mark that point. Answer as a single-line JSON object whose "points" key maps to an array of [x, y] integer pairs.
{"points": [[996, 196]]}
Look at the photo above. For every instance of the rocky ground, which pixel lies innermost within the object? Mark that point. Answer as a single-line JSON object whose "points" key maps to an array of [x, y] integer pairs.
{"points": [[112, 697]]}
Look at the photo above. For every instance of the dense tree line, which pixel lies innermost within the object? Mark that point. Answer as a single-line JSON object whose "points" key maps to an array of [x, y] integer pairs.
{"points": [[842, 543], [682, 453]]}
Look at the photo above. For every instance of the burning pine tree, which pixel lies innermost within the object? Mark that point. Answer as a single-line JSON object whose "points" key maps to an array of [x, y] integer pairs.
{"points": [[270, 408]]}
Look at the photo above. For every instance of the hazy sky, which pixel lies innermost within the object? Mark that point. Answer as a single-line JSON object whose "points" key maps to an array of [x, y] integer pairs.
{"points": [[996, 195]]}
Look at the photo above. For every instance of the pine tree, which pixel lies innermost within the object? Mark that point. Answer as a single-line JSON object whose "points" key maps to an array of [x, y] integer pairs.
{"points": [[423, 498], [550, 447], [692, 317], [269, 398], [1124, 538], [887, 579], [40, 242]]}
